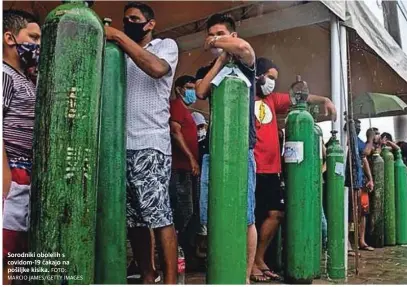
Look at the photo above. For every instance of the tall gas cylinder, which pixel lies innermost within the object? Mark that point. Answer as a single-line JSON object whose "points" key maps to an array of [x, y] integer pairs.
{"points": [[389, 199], [375, 224], [400, 177], [301, 199], [64, 184], [228, 180], [335, 208], [111, 199], [317, 217]]}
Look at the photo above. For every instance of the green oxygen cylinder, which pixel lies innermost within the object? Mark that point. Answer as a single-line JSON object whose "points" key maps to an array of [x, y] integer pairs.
{"points": [[228, 181], [375, 226], [401, 199], [389, 199], [111, 206], [65, 165], [301, 200], [317, 180], [335, 209]]}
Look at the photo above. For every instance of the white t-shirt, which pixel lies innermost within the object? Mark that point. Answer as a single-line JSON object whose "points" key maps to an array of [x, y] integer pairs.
{"points": [[148, 107]]}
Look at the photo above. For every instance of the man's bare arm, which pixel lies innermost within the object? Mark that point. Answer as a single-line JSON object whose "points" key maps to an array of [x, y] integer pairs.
{"points": [[146, 61], [235, 46], [203, 87], [6, 173]]}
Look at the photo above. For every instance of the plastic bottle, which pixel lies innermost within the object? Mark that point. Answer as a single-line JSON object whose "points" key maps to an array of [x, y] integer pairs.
{"points": [[181, 266]]}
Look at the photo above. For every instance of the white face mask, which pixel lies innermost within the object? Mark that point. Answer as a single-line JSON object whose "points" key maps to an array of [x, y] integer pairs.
{"points": [[216, 51], [201, 134], [268, 86]]}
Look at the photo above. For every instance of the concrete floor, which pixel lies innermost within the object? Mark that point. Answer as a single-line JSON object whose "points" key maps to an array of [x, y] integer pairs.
{"points": [[382, 266]]}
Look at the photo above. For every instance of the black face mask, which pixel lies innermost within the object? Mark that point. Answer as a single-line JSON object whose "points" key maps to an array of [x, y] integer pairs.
{"points": [[134, 30]]}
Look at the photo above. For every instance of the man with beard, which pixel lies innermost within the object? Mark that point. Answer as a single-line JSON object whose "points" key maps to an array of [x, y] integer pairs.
{"points": [[269, 198], [151, 65]]}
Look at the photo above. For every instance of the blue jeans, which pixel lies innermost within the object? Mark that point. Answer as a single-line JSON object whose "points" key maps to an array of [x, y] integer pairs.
{"points": [[203, 200]]}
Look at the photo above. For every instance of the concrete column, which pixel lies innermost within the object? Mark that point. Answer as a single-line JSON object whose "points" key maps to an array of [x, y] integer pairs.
{"points": [[341, 134], [335, 68], [391, 23], [344, 84], [400, 128]]}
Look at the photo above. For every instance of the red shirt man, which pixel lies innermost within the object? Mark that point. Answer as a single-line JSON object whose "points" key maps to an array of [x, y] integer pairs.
{"points": [[185, 154], [267, 151], [181, 115], [269, 198]]}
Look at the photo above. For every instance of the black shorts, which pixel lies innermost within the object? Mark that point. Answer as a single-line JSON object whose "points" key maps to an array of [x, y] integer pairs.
{"points": [[268, 194]]}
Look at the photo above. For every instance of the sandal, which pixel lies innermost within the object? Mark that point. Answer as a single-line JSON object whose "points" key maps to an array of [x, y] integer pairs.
{"points": [[259, 278], [366, 248], [270, 274]]}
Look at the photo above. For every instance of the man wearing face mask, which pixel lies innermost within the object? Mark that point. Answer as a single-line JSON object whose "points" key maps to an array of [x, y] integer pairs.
{"points": [[269, 197], [202, 232], [185, 167], [151, 65], [223, 42], [21, 39], [202, 127]]}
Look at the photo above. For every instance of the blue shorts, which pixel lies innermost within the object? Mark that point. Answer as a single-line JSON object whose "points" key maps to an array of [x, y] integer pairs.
{"points": [[203, 199]]}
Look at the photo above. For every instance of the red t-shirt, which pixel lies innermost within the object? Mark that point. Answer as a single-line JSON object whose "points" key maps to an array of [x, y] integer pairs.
{"points": [[267, 149], [180, 114]]}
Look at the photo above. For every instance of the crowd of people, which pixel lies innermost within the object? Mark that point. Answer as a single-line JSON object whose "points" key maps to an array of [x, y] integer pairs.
{"points": [[363, 185], [167, 145]]}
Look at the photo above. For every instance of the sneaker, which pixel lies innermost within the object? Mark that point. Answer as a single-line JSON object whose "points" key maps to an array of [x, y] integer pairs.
{"points": [[132, 271]]}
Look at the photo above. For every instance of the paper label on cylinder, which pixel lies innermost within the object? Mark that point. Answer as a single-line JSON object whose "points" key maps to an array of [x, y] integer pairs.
{"points": [[339, 169], [294, 152]]}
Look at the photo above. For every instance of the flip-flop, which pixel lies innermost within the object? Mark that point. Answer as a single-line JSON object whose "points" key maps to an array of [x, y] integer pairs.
{"points": [[259, 278], [366, 248], [273, 276], [352, 253]]}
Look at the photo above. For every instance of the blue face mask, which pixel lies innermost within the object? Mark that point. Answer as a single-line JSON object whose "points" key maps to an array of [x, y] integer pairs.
{"points": [[189, 97]]}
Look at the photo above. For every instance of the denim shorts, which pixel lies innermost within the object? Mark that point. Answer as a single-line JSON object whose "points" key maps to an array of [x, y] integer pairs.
{"points": [[203, 199]]}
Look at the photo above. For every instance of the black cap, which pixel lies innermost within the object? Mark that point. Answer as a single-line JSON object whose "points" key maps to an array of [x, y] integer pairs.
{"points": [[263, 65], [185, 79]]}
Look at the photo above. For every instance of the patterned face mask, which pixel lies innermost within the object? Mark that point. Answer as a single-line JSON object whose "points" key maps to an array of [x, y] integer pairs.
{"points": [[29, 53]]}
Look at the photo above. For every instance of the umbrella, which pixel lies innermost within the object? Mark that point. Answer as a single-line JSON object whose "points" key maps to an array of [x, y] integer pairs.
{"points": [[372, 105]]}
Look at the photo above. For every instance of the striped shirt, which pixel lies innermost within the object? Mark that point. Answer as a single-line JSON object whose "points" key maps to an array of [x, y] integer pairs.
{"points": [[148, 101], [18, 113]]}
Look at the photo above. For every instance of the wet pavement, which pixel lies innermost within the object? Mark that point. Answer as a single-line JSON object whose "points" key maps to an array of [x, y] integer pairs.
{"points": [[382, 266]]}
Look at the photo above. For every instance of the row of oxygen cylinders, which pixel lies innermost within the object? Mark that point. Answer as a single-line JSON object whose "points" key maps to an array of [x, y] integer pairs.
{"points": [[78, 182], [387, 219], [387, 222]]}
